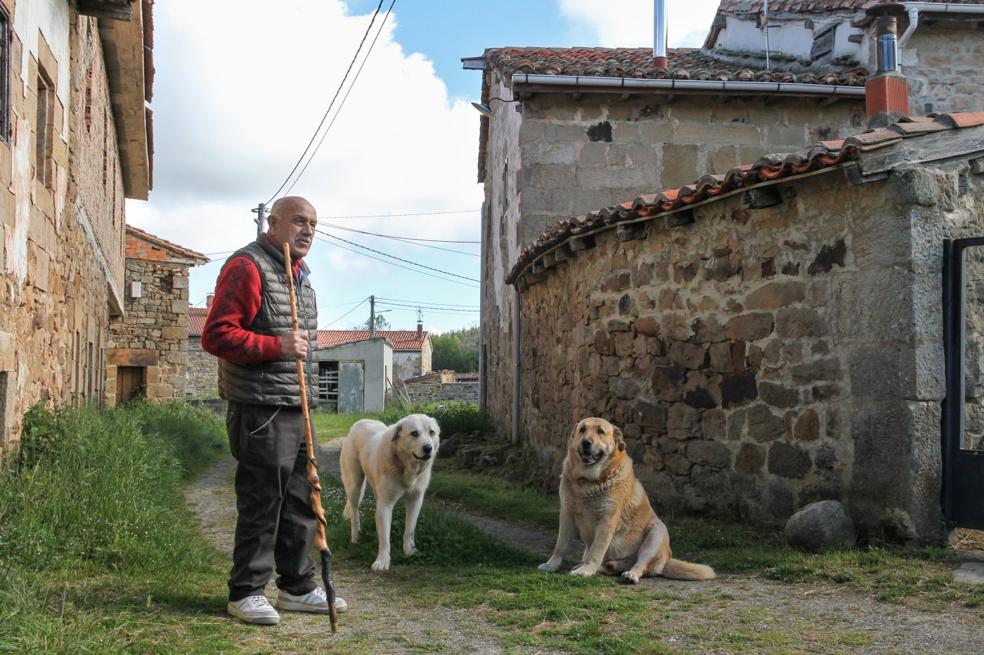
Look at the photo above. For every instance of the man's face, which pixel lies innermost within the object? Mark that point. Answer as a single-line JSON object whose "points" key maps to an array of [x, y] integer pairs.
{"points": [[292, 221]]}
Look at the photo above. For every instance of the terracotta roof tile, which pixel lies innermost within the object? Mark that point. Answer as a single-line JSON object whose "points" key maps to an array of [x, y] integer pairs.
{"points": [[196, 321], [398, 339], [174, 249], [825, 154], [685, 64], [812, 6]]}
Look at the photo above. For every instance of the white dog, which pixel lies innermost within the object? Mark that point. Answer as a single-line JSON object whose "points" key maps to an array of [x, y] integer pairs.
{"points": [[396, 460]]}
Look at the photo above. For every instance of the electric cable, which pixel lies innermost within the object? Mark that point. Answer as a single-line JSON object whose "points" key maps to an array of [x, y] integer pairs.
{"points": [[384, 254], [360, 304], [412, 270], [344, 98], [402, 215], [330, 105], [401, 238]]}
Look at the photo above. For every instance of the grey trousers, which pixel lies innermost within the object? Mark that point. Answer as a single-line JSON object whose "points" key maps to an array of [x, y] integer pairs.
{"points": [[276, 524]]}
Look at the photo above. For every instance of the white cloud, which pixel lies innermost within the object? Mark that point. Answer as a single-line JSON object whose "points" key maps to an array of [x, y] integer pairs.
{"points": [[629, 23], [241, 85]]}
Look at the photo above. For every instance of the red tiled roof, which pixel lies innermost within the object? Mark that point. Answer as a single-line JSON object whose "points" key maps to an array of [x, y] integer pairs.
{"points": [[159, 245], [196, 321], [813, 6], [398, 339], [825, 154], [685, 64]]}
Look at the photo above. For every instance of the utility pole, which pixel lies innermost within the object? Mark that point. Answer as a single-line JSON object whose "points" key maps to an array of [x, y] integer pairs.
{"points": [[260, 212], [372, 316]]}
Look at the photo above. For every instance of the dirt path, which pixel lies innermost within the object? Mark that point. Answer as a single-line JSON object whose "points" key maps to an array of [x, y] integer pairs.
{"points": [[381, 616], [380, 619]]}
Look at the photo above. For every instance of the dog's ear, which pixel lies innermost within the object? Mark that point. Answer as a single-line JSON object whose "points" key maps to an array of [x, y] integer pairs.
{"points": [[619, 439], [396, 431]]}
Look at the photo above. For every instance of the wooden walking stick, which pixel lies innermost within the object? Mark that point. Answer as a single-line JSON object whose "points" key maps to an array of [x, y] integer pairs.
{"points": [[320, 538]]}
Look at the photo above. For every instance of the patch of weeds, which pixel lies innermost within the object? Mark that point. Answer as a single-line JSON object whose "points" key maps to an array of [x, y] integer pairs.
{"points": [[98, 552]]}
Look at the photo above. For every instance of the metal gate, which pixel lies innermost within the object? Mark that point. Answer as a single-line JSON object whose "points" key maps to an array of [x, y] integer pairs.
{"points": [[351, 388], [963, 407]]}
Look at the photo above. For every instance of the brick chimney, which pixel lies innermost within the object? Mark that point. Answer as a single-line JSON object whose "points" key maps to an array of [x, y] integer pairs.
{"points": [[887, 91], [208, 301], [420, 328]]}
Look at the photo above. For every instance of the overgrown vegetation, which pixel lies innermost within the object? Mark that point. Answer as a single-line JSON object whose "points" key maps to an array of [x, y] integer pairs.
{"points": [[98, 552], [456, 350], [454, 417]]}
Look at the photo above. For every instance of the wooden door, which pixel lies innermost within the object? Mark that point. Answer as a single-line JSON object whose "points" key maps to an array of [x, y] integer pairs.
{"points": [[131, 382]]}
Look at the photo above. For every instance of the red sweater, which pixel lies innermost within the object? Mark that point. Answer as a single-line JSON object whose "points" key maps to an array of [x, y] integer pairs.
{"points": [[237, 300]]}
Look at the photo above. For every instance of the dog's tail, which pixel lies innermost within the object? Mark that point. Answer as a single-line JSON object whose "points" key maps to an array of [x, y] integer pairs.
{"points": [[680, 570]]}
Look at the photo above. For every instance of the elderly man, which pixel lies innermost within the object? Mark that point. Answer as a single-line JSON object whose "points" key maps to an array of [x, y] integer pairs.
{"points": [[249, 328]]}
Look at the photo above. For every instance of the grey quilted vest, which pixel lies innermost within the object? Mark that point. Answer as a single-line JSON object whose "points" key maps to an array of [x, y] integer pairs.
{"points": [[274, 382]]}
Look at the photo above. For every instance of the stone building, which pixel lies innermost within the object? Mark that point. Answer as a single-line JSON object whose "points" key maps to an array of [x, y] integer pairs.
{"points": [[767, 337], [203, 368], [147, 350], [74, 142], [574, 129]]}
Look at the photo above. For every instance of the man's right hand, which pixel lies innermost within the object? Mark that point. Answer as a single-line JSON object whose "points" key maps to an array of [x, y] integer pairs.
{"points": [[294, 345]]}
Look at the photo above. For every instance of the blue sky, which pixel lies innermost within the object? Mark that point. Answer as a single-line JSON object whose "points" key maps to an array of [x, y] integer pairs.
{"points": [[241, 85]]}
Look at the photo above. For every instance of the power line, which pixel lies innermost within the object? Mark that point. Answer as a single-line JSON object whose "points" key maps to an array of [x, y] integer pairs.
{"points": [[402, 215], [345, 97], [401, 238], [413, 270], [405, 240], [380, 252], [424, 307], [360, 304], [330, 105], [425, 302]]}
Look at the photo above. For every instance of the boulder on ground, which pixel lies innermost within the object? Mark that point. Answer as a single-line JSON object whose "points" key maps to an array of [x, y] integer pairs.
{"points": [[823, 525]]}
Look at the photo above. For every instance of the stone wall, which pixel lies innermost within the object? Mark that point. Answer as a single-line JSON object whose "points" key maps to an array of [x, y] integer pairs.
{"points": [[441, 386], [57, 271], [758, 360], [153, 331], [942, 63], [203, 371], [560, 157]]}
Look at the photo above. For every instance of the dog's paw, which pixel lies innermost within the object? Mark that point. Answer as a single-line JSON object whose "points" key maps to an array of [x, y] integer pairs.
{"points": [[630, 577], [410, 550], [584, 569], [381, 564], [549, 566], [355, 538]]}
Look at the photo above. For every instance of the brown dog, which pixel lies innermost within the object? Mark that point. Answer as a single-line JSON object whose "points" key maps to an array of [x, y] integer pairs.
{"points": [[601, 497]]}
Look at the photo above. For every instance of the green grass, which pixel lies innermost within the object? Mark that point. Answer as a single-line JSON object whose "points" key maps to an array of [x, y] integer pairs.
{"points": [[920, 578], [495, 497], [462, 567], [98, 552], [331, 426]]}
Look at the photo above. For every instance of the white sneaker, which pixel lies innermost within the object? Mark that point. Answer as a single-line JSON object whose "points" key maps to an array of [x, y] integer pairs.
{"points": [[254, 609], [315, 601]]}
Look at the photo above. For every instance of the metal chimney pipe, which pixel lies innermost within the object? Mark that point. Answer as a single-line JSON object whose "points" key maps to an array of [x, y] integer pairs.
{"points": [[886, 36], [659, 34]]}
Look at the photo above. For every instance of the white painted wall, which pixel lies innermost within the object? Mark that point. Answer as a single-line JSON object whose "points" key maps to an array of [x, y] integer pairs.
{"points": [[50, 18], [791, 36]]}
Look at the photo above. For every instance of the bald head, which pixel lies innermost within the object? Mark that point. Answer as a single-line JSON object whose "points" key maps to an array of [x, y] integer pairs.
{"points": [[292, 220]]}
